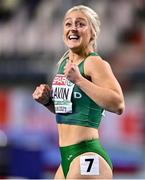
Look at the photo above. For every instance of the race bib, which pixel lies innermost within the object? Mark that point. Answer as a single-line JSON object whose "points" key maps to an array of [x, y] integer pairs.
{"points": [[89, 165], [62, 90]]}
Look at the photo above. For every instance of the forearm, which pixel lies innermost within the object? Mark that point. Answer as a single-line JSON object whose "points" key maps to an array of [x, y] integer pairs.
{"points": [[104, 97]]}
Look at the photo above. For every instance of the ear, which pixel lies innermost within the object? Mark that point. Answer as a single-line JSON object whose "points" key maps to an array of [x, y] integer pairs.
{"points": [[92, 38]]}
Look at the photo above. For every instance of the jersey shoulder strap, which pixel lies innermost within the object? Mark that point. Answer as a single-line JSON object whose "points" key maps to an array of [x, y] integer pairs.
{"points": [[93, 54], [81, 65]]}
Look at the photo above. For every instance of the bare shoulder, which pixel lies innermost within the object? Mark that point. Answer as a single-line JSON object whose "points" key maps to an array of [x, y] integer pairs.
{"points": [[96, 64], [100, 73]]}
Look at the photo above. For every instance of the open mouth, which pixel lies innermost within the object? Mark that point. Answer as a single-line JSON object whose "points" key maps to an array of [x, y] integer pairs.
{"points": [[73, 37]]}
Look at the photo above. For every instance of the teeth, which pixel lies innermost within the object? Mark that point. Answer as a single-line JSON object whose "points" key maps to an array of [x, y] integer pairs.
{"points": [[73, 37]]}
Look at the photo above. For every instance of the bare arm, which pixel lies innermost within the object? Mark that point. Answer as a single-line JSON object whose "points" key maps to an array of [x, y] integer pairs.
{"points": [[42, 96], [103, 88]]}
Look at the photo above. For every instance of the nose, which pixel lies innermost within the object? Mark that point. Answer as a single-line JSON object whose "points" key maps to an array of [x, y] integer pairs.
{"points": [[74, 27]]}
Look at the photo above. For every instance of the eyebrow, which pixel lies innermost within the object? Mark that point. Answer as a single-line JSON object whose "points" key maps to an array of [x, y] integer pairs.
{"points": [[79, 18]]}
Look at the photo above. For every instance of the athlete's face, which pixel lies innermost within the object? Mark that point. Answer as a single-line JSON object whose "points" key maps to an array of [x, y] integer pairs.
{"points": [[77, 31]]}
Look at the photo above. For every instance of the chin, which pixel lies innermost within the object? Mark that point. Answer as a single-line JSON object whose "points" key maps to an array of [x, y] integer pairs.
{"points": [[74, 49], [72, 46]]}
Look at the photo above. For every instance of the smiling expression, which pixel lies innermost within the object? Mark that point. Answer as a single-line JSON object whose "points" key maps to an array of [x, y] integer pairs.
{"points": [[77, 31]]}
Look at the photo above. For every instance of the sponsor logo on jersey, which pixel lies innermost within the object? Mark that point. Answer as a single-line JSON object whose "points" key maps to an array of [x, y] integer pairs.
{"points": [[60, 80]]}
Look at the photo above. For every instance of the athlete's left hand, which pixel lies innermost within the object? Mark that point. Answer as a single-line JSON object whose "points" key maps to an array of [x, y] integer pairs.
{"points": [[72, 73]]}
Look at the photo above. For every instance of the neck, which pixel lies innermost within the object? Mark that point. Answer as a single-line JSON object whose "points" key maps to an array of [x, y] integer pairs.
{"points": [[78, 56]]}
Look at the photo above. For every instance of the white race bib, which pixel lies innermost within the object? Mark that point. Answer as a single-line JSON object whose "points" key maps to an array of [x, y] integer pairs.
{"points": [[62, 90], [89, 165]]}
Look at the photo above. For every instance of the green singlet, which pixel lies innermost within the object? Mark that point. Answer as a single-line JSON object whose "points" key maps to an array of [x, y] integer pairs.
{"points": [[72, 105]]}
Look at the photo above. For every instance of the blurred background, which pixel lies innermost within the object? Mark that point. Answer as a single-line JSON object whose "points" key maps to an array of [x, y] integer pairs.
{"points": [[30, 46]]}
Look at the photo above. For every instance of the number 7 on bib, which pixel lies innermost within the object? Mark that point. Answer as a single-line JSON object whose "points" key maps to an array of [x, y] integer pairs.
{"points": [[89, 165]]}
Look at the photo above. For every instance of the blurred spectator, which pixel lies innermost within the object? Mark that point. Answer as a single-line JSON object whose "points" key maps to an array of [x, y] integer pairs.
{"points": [[8, 9]]}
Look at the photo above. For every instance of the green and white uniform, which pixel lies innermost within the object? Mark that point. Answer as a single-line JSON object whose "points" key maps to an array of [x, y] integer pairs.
{"points": [[74, 107]]}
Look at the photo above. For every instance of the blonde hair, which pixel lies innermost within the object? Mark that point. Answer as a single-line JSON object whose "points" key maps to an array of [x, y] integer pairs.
{"points": [[94, 21]]}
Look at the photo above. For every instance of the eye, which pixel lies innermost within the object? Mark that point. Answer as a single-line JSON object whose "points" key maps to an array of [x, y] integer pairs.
{"points": [[81, 24], [67, 24]]}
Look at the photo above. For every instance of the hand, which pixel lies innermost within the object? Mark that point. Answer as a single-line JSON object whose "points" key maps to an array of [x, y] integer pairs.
{"points": [[71, 71], [42, 94]]}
